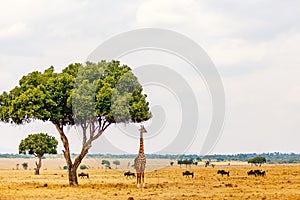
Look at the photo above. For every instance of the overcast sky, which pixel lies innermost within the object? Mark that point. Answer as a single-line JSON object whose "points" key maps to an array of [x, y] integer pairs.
{"points": [[254, 44]]}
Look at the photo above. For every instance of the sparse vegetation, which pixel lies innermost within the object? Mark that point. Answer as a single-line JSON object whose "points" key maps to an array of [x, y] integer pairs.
{"points": [[281, 182]]}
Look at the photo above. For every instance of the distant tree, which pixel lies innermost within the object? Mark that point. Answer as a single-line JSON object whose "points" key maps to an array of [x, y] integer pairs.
{"points": [[116, 162], [172, 163], [65, 167], [198, 158], [187, 162], [25, 165], [38, 145], [106, 163], [180, 162], [257, 160], [195, 163]]}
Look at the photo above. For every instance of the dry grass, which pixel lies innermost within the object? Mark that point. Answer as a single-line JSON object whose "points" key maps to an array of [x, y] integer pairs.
{"points": [[281, 182]]}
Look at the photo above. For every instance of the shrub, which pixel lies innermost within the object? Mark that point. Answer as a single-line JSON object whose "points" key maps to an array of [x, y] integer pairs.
{"points": [[83, 167]]}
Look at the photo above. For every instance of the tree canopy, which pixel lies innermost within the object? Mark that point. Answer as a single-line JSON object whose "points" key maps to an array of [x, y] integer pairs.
{"points": [[38, 145], [257, 160]]}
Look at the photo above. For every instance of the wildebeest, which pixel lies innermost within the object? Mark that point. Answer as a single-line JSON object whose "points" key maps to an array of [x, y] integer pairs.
{"points": [[260, 172], [223, 172], [82, 175], [256, 172], [127, 174], [251, 172], [188, 173]]}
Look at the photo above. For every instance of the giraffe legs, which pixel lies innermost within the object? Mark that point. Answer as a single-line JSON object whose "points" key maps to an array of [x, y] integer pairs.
{"points": [[138, 179], [142, 179]]}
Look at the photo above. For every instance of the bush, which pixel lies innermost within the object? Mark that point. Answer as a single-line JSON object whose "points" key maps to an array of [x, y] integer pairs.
{"points": [[25, 165], [65, 167], [83, 167]]}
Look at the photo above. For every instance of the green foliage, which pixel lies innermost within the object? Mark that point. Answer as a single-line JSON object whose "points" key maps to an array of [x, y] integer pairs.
{"points": [[179, 162], [83, 167], [109, 90], [257, 160], [105, 162], [104, 90], [65, 167], [38, 145], [40, 96]]}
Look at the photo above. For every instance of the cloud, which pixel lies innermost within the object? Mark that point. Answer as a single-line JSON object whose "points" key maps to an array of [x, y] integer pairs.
{"points": [[15, 30]]}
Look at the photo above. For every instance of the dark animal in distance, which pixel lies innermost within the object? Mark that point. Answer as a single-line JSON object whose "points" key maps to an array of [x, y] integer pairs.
{"points": [[82, 175], [223, 172], [256, 172], [188, 173], [251, 172], [127, 174]]}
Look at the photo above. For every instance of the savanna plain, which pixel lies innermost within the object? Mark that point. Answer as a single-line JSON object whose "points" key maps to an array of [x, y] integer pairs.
{"points": [[280, 182]]}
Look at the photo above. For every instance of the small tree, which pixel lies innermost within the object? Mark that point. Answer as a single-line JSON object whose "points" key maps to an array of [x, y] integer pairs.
{"points": [[257, 160], [106, 163], [187, 162], [179, 162], [116, 162], [25, 165], [38, 145], [171, 163]]}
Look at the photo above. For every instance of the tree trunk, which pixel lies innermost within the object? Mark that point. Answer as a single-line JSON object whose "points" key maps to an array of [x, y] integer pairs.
{"points": [[72, 172], [38, 165], [71, 168]]}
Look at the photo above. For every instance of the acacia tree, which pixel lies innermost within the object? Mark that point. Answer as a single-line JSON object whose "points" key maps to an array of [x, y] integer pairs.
{"points": [[38, 145], [116, 162], [257, 160], [103, 93]]}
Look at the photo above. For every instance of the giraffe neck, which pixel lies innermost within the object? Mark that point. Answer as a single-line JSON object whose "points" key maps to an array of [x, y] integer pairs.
{"points": [[141, 151]]}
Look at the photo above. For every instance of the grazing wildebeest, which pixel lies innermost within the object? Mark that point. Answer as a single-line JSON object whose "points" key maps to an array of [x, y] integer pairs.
{"points": [[256, 172], [82, 175], [260, 172], [251, 172], [127, 174], [223, 172], [188, 173]]}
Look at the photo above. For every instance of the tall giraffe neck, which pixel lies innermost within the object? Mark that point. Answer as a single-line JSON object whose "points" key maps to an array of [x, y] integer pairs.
{"points": [[141, 151]]}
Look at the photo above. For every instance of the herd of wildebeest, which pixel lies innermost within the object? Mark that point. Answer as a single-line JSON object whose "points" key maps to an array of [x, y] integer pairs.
{"points": [[189, 173]]}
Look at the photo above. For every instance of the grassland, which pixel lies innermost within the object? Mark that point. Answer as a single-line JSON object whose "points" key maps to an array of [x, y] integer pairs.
{"points": [[281, 182]]}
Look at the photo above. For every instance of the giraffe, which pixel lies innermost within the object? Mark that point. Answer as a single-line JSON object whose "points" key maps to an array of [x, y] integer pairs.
{"points": [[140, 160]]}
